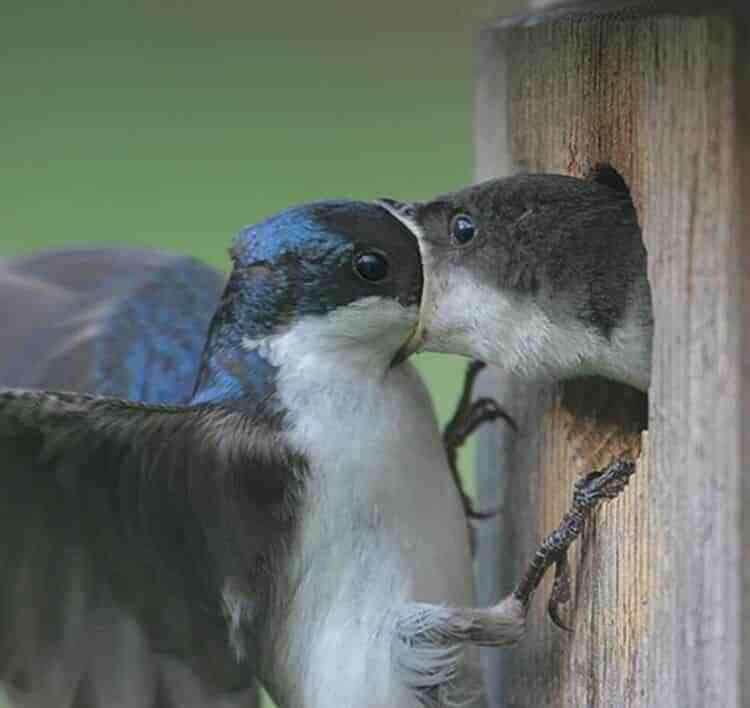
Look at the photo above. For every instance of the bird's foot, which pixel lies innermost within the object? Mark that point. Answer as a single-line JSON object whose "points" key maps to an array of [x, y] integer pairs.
{"points": [[469, 415], [588, 493], [423, 626]]}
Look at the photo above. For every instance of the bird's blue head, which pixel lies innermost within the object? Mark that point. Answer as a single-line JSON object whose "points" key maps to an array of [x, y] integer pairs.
{"points": [[338, 275]]}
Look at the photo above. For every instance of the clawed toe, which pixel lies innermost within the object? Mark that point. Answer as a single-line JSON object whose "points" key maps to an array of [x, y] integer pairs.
{"points": [[560, 594], [602, 484], [588, 492], [469, 415]]}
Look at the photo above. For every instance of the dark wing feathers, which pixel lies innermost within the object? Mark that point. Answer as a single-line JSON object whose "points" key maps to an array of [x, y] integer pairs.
{"points": [[153, 508], [128, 323]]}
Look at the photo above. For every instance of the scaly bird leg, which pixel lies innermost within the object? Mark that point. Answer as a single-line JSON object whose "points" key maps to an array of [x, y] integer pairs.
{"points": [[469, 415], [588, 493], [423, 628]]}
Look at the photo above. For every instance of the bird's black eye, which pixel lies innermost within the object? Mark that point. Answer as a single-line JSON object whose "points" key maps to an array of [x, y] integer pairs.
{"points": [[371, 266], [463, 228]]}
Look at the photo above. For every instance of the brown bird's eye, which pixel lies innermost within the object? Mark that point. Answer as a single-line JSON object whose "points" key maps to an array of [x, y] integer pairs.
{"points": [[371, 266], [463, 228]]}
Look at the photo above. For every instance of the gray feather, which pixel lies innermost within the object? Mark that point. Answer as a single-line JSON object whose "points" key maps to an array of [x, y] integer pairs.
{"points": [[151, 507], [63, 314], [117, 321]]}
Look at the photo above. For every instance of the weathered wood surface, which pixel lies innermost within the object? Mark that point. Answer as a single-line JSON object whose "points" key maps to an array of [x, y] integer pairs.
{"points": [[660, 613], [653, 7]]}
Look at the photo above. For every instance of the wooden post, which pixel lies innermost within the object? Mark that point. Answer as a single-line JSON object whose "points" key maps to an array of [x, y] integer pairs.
{"points": [[661, 607]]}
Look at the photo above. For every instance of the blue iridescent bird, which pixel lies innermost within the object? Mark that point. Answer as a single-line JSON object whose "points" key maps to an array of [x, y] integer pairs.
{"points": [[120, 322], [298, 517], [296, 463]]}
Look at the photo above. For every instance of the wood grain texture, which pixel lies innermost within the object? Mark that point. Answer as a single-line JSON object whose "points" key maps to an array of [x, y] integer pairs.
{"points": [[643, 7], [742, 319], [661, 607]]}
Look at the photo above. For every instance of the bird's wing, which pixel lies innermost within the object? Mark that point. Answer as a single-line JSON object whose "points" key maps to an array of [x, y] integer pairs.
{"points": [[86, 269], [119, 321], [27, 307], [156, 510], [126, 322]]}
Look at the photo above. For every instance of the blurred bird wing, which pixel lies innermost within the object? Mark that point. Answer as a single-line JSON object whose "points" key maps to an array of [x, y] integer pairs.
{"points": [[154, 509], [118, 321], [85, 270]]}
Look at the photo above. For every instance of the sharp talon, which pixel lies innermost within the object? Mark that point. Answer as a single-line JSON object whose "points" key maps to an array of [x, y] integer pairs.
{"points": [[561, 585], [469, 415], [472, 539], [508, 418], [560, 594], [481, 515], [495, 412], [554, 614], [475, 367]]}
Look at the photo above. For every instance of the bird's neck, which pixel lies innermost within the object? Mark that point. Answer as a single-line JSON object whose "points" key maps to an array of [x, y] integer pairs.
{"points": [[382, 525], [247, 354], [357, 556]]}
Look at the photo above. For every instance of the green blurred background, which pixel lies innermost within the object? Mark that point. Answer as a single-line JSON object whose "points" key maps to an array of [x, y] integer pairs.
{"points": [[172, 124]]}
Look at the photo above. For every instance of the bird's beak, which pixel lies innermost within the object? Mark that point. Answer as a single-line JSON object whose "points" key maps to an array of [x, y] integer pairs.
{"points": [[459, 312], [404, 212]]}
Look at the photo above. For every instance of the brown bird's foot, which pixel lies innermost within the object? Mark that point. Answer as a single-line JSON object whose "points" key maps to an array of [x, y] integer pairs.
{"points": [[469, 415], [588, 493]]}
